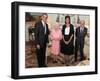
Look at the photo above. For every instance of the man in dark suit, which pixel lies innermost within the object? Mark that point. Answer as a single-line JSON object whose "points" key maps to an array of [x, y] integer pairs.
{"points": [[41, 38], [81, 33]]}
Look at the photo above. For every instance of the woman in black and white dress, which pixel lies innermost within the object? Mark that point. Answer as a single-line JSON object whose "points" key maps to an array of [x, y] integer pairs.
{"points": [[67, 43]]}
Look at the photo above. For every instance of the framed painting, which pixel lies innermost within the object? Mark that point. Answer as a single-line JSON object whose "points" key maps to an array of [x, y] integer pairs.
{"points": [[52, 40]]}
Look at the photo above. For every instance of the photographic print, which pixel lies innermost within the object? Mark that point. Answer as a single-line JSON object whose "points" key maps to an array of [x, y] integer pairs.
{"points": [[56, 49], [51, 40]]}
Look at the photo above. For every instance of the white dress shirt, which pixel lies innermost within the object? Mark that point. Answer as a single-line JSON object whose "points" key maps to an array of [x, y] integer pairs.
{"points": [[44, 25]]}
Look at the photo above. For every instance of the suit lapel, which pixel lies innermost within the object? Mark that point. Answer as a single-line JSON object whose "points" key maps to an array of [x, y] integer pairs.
{"points": [[42, 24]]}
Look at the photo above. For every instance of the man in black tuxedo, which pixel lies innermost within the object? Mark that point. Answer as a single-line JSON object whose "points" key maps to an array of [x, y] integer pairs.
{"points": [[81, 33], [41, 38]]}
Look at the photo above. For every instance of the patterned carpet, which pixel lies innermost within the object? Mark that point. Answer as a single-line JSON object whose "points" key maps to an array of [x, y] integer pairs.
{"points": [[31, 60]]}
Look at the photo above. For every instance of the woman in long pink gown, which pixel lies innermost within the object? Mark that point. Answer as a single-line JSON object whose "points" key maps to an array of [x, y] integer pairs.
{"points": [[55, 36]]}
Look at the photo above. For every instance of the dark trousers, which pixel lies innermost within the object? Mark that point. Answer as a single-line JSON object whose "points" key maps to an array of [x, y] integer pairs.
{"points": [[41, 56], [80, 47]]}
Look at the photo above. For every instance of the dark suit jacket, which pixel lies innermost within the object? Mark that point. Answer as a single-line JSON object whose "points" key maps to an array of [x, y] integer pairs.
{"points": [[40, 37], [80, 37]]}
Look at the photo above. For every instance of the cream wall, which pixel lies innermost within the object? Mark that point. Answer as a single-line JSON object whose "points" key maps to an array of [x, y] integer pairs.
{"points": [[53, 17]]}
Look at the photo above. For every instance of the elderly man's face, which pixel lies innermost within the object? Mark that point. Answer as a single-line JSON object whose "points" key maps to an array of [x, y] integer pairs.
{"points": [[82, 23], [44, 18]]}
